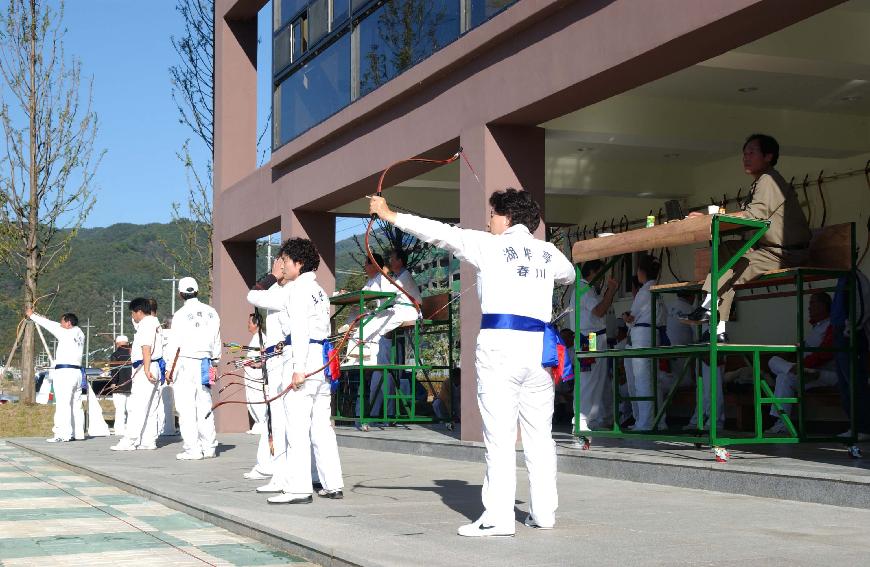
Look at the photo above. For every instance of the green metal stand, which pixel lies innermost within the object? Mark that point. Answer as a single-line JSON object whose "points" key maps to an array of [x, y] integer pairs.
{"points": [[405, 404], [762, 394]]}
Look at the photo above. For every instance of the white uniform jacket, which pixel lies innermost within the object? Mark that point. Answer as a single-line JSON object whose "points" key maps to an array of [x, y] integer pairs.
{"points": [[70, 342], [516, 271], [148, 333], [196, 331], [589, 322]]}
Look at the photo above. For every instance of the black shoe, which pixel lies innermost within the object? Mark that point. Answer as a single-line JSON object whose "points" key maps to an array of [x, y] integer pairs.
{"points": [[333, 494], [696, 317], [720, 338]]}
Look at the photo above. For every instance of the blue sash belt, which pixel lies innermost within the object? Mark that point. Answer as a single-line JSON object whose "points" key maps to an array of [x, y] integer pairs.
{"points": [[84, 383], [555, 353], [160, 363], [330, 359]]}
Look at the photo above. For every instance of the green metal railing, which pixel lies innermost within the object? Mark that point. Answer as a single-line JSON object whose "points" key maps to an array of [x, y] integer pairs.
{"points": [[354, 397], [713, 350]]}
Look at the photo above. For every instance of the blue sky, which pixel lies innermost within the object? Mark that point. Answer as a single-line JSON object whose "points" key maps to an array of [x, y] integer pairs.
{"points": [[124, 45]]}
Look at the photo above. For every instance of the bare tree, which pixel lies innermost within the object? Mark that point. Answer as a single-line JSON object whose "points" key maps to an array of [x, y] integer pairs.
{"points": [[193, 93], [49, 131]]}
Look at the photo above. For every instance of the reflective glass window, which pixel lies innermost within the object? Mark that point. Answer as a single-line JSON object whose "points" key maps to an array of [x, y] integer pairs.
{"points": [[340, 11], [482, 10], [318, 20], [299, 43], [315, 91], [281, 50], [400, 34], [286, 9]]}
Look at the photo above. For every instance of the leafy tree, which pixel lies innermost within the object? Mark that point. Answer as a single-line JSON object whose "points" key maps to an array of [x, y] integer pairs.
{"points": [[49, 131]]}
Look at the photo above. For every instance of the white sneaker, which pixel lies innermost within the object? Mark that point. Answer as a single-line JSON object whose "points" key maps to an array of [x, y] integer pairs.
{"points": [[254, 474], [530, 522], [777, 428], [57, 440], [269, 488], [185, 456], [481, 529], [123, 445], [208, 454], [290, 498], [147, 447]]}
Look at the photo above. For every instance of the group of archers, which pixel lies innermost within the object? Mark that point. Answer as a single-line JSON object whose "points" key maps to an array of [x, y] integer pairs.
{"points": [[516, 276]]}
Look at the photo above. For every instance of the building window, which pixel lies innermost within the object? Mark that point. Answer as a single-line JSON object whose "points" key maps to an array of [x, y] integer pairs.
{"points": [[281, 50], [315, 46], [315, 91], [480, 11], [400, 34], [286, 10], [318, 20]]}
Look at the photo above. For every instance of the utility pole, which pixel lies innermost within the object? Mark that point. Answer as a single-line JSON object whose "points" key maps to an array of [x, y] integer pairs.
{"points": [[87, 326], [114, 317], [172, 292], [121, 310], [269, 253]]}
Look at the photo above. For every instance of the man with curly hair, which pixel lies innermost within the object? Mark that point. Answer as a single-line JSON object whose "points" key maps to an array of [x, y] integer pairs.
{"points": [[305, 323], [515, 278]]}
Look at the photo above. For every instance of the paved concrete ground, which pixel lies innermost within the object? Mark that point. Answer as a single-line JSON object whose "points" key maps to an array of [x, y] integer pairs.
{"points": [[51, 516], [403, 510]]}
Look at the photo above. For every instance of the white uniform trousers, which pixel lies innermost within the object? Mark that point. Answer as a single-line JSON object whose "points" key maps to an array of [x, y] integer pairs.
{"points": [[267, 463], [142, 408], [787, 382], [78, 412], [512, 385], [377, 387], [120, 402], [720, 397], [641, 383], [254, 393], [593, 405], [309, 430], [193, 402], [67, 414]]}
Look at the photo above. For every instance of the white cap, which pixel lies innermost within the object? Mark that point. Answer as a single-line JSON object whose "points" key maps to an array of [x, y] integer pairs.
{"points": [[121, 339], [187, 285]]}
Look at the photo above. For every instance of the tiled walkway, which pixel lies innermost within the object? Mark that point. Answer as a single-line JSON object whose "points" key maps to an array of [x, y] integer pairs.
{"points": [[51, 516]]}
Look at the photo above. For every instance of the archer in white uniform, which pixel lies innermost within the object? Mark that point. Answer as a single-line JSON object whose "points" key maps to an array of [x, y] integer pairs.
{"points": [[819, 364], [254, 379], [146, 356], [66, 375], [593, 376], [197, 337], [515, 278], [272, 298], [641, 327], [307, 404]]}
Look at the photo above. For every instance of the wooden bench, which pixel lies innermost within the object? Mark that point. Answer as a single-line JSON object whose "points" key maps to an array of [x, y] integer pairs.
{"points": [[831, 251]]}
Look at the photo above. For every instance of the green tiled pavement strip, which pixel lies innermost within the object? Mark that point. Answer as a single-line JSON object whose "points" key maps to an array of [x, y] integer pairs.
{"points": [[169, 531]]}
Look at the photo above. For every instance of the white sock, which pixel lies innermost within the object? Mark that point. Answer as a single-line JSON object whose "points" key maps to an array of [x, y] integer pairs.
{"points": [[706, 302], [720, 327]]}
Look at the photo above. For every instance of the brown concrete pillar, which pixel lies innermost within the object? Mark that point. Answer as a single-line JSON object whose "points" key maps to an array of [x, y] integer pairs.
{"points": [[319, 228], [235, 156], [503, 156], [234, 269]]}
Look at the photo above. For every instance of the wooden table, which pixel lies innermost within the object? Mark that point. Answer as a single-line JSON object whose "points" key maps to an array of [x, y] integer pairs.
{"points": [[676, 233]]}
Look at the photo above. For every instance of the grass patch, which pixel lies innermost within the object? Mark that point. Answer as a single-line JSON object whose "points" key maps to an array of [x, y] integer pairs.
{"points": [[24, 420]]}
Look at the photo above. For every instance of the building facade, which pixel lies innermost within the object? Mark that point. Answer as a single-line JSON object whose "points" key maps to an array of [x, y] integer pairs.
{"points": [[361, 84]]}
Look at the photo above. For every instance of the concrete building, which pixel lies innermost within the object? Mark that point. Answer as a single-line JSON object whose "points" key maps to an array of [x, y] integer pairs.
{"points": [[600, 108]]}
